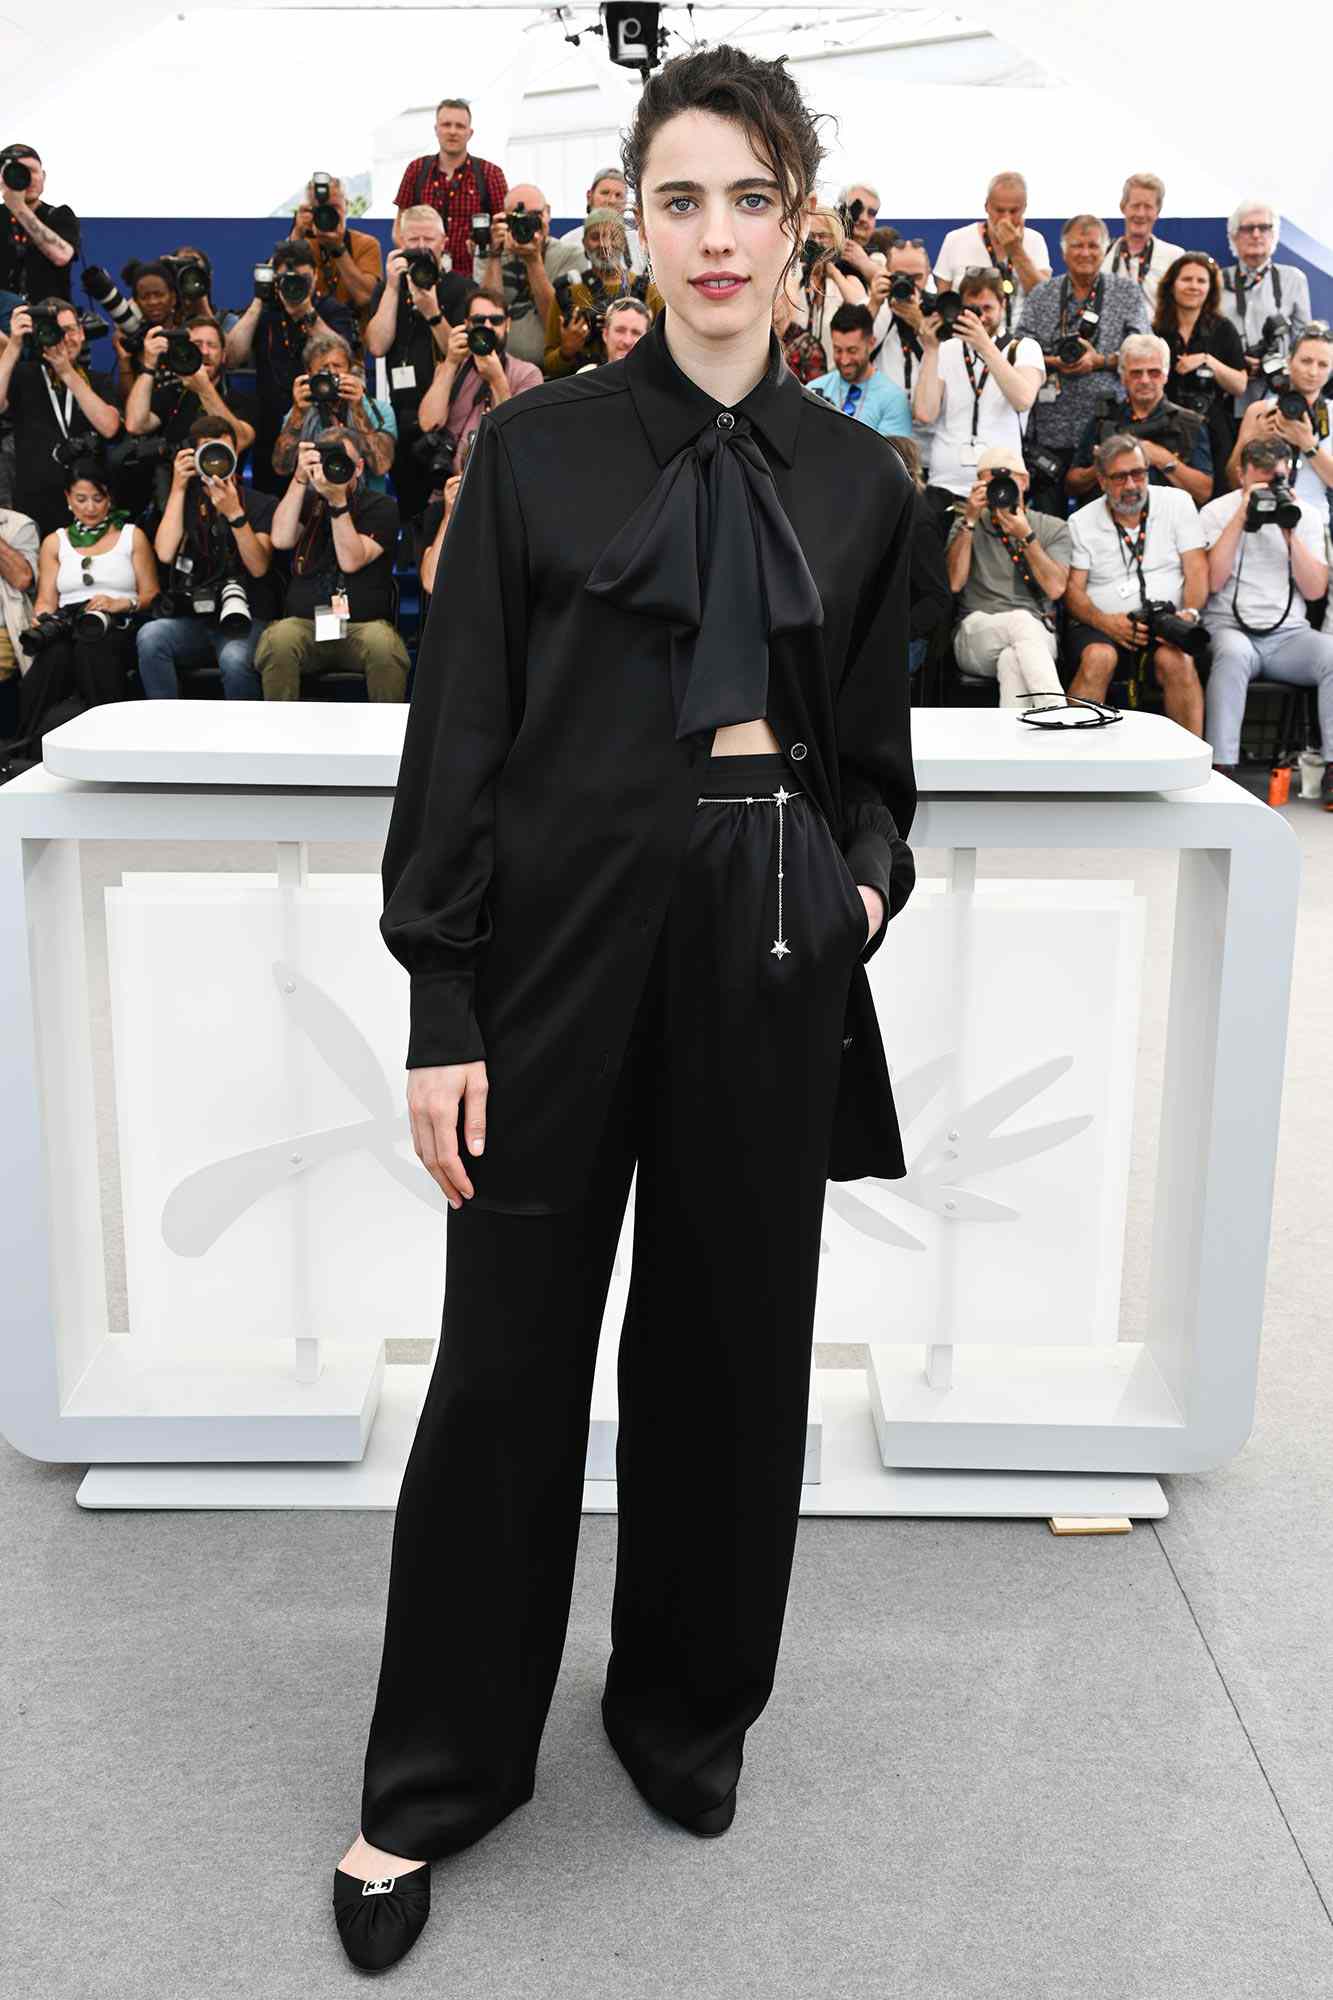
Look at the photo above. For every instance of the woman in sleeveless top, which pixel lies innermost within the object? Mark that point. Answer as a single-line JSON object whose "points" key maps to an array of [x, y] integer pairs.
{"points": [[91, 576]]}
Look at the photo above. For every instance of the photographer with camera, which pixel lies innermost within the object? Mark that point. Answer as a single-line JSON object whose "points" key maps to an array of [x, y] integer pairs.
{"points": [[54, 402], [1266, 565], [894, 298], [19, 544], [459, 186], [340, 601], [331, 393], [811, 293], [419, 304], [180, 381], [1298, 414], [854, 385], [1002, 243], [578, 308], [857, 209], [975, 392], [38, 241], [608, 190], [1009, 569], [1175, 441], [1267, 303], [214, 542], [1140, 254], [476, 371], [1138, 583], [523, 261], [1079, 321], [273, 330], [92, 575], [1207, 360], [349, 263]]}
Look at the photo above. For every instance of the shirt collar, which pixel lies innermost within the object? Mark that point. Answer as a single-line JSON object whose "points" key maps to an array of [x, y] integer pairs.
{"points": [[673, 409]]}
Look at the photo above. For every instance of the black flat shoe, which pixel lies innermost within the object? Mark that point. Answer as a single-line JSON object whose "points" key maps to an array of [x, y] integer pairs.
{"points": [[380, 1921], [715, 1820]]}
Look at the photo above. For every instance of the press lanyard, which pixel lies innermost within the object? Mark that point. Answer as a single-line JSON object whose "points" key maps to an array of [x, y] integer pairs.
{"points": [[1124, 255], [1135, 547], [1006, 271], [1093, 303], [976, 387], [62, 419]]}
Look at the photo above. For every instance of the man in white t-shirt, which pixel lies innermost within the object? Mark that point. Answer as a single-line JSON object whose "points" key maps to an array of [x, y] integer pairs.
{"points": [[975, 391], [1131, 547], [1003, 243], [1261, 579], [897, 332], [1140, 253]]}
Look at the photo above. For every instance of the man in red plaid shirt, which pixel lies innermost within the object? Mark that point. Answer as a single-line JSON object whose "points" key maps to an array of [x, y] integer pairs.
{"points": [[456, 183]]}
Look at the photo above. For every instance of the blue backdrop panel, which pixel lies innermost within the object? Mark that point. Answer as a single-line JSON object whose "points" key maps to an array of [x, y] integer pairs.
{"points": [[237, 245]]}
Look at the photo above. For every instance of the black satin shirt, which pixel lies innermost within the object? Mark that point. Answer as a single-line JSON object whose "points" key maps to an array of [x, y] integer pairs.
{"points": [[546, 793]]}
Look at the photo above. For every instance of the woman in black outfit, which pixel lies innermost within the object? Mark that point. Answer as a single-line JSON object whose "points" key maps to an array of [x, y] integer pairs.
{"points": [[649, 825], [1207, 359]]}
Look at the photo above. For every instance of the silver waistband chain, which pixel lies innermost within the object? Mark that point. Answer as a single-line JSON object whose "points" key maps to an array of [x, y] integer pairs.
{"points": [[779, 798]]}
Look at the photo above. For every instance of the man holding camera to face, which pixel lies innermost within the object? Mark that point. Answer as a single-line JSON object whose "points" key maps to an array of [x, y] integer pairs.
{"points": [[348, 262], [1268, 303], [1009, 569], [214, 543], [577, 316], [476, 371], [340, 601], [283, 315], [894, 300], [331, 393], [1298, 414], [523, 261], [419, 303], [1138, 583], [54, 401], [180, 381], [1266, 565], [975, 391], [38, 241]]}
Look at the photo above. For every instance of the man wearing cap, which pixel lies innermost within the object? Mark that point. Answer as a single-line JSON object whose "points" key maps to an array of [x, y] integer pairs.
{"points": [[1008, 568], [38, 242]]}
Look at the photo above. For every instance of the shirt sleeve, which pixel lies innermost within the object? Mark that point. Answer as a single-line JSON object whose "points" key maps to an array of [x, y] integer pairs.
{"points": [[896, 420], [1030, 355], [366, 253], [873, 728], [1056, 539], [466, 704], [403, 198], [1080, 552], [1189, 534]]}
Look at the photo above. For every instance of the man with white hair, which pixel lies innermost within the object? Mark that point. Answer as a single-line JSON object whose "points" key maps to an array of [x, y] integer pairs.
{"points": [[1255, 289], [1141, 254], [608, 190], [1008, 568], [857, 256], [1175, 441], [1002, 242]]}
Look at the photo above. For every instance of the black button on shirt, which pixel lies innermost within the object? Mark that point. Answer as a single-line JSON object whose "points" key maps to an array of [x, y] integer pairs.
{"points": [[544, 790]]}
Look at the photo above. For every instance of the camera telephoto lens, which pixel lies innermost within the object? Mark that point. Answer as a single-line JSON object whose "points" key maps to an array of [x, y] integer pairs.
{"points": [[481, 339], [47, 331], [1069, 349], [1292, 405], [423, 270], [436, 452], [90, 624], [324, 386], [234, 607], [903, 289], [182, 357], [294, 286], [523, 224], [215, 459], [16, 175], [1002, 492], [104, 292], [192, 281], [335, 461]]}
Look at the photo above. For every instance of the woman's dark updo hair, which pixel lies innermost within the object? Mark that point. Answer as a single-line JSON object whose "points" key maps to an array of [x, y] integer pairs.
{"points": [[759, 95], [90, 472]]}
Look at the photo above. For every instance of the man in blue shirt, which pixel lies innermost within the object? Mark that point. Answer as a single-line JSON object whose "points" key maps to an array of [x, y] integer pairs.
{"points": [[854, 384]]}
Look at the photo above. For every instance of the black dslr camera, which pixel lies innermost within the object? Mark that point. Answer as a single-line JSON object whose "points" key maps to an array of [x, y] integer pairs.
{"points": [[324, 390], [15, 173], [47, 628], [902, 289], [1069, 347], [335, 460], [948, 305], [47, 331], [1291, 404], [1273, 346], [435, 452], [181, 355], [423, 270], [481, 340], [1274, 505], [124, 315], [1002, 494], [294, 284], [523, 223], [1166, 627], [191, 277], [323, 214]]}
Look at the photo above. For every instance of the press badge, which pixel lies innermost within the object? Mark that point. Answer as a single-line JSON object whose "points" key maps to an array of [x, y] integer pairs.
{"points": [[1126, 589], [331, 618], [968, 454], [1049, 391], [404, 376]]}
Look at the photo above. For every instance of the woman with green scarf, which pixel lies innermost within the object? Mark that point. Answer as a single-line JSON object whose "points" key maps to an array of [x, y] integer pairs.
{"points": [[92, 576]]}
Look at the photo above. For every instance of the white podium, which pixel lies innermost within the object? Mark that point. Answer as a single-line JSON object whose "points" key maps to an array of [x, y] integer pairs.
{"points": [[278, 1226]]}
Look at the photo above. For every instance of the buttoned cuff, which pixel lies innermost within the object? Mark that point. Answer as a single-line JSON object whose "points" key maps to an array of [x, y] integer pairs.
{"points": [[877, 855], [443, 1025]]}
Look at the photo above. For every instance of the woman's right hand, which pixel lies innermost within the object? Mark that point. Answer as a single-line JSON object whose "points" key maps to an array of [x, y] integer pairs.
{"points": [[433, 1097]]}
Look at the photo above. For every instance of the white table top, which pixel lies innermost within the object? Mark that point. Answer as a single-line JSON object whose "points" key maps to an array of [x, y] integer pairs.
{"points": [[344, 745]]}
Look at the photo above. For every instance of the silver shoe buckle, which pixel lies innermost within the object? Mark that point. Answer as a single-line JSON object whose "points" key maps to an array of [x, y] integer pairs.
{"points": [[379, 1888]]}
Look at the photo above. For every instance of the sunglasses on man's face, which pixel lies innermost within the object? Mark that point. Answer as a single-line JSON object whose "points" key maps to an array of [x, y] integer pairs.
{"points": [[487, 319]]}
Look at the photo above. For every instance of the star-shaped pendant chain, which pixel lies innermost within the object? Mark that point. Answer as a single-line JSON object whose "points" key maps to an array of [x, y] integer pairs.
{"points": [[780, 948]]}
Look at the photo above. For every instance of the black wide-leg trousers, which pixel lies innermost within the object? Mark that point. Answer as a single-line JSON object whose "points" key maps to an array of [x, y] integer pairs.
{"points": [[725, 1101]]}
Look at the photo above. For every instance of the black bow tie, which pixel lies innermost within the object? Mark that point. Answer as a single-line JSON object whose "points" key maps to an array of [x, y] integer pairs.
{"points": [[711, 549]]}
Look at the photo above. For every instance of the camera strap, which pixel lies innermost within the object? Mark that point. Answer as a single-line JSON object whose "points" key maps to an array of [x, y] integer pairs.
{"points": [[1123, 256], [1093, 303], [1260, 631], [1006, 271], [1018, 556], [976, 387], [1135, 544]]}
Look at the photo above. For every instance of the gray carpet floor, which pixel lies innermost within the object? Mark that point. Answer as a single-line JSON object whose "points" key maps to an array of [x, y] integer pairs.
{"points": [[996, 1762]]}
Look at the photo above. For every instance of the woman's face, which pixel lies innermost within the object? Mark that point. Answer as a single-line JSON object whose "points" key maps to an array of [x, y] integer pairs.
{"points": [[154, 298], [708, 206], [87, 503], [1191, 287]]}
